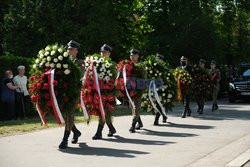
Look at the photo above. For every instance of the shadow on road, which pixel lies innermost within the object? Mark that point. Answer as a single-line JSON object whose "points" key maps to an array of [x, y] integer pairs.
{"points": [[186, 126], [84, 149], [119, 139], [166, 134]]}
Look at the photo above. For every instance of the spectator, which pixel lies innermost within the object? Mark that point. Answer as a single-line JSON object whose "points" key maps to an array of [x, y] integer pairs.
{"points": [[8, 94], [22, 93]]}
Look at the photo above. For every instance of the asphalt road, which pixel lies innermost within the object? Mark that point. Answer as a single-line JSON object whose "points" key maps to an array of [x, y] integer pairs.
{"points": [[220, 138]]}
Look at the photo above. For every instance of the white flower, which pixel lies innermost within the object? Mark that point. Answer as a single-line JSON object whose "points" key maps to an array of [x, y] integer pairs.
{"points": [[65, 54], [110, 75], [156, 75], [41, 56], [47, 48], [163, 94], [52, 65], [52, 53], [66, 71], [55, 60], [170, 96], [47, 64], [37, 61], [65, 66], [87, 59], [96, 58], [163, 89], [101, 60], [107, 65], [60, 50], [103, 73], [46, 53], [146, 68], [48, 58], [167, 78], [155, 64], [150, 71], [58, 65], [107, 78], [91, 58], [40, 52], [34, 66], [160, 74], [100, 76], [168, 100], [60, 58], [41, 64], [164, 101], [55, 47], [86, 64]]}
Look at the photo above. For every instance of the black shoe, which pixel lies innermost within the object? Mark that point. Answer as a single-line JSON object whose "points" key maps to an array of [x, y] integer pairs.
{"points": [[98, 134], [140, 124], [164, 120], [132, 129], [216, 107], [64, 143], [189, 112], [76, 135], [157, 116], [112, 130], [213, 108], [184, 114]]}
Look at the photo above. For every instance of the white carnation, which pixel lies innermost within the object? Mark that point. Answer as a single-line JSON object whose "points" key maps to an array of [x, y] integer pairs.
{"points": [[37, 61], [155, 64], [41, 64], [47, 48], [66, 71], [170, 96], [55, 47], [110, 75], [48, 58], [52, 53], [52, 65], [55, 60], [58, 65], [46, 53], [101, 60], [60, 58], [60, 50], [65, 54], [107, 65], [100, 76], [41, 56], [47, 64], [163, 94], [150, 71], [34, 66], [65, 66], [160, 74], [40, 52]]}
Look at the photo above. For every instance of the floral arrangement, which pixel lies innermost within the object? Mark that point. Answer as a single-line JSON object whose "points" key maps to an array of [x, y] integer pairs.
{"points": [[202, 85], [106, 70], [166, 87], [135, 73], [66, 82], [184, 80]]}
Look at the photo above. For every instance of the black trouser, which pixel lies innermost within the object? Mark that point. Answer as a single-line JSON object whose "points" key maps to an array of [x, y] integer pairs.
{"points": [[20, 105], [10, 109]]}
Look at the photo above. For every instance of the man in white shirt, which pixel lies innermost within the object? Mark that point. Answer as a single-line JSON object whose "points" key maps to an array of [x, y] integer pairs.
{"points": [[22, 93]]}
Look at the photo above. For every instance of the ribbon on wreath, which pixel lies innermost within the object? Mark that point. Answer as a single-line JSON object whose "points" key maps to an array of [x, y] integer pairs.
{"points": [[56, 109], [84, 110], [41, 113], [127, 93], [156, 96], [97, 87]]}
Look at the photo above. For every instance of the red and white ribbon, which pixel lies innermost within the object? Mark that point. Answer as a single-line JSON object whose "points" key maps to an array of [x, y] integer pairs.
{"points": [[124, 73], [84, 110], [55, 106], [41, 113]]}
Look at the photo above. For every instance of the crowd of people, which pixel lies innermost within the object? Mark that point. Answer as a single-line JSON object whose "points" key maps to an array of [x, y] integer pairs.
{"points": [[14, 94]]}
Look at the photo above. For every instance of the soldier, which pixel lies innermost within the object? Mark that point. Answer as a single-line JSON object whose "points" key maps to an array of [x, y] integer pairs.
{"points": [[73, 48], [105, 52], [215, 77], [134, 57], [186, 97]]}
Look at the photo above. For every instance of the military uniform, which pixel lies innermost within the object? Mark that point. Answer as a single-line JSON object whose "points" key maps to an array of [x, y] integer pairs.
{"points": [[215, 77], [69, 116], [108, 120], [186, 95]]}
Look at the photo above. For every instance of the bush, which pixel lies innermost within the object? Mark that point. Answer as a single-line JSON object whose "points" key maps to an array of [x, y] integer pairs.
{"points": [[10, 62]]}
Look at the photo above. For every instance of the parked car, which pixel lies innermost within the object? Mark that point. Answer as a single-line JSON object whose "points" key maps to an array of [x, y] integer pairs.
{"points": [[239, 85]]}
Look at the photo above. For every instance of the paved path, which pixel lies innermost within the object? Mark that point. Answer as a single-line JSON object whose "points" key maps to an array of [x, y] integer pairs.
{"points": [[213, 139]]}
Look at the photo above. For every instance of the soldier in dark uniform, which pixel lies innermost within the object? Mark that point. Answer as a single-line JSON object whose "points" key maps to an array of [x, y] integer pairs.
{"points": [[215, 78], [73, 48], [186, 97], [134, 57], [106, 52]]}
